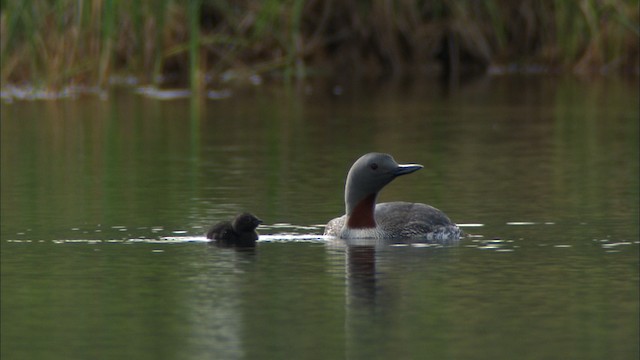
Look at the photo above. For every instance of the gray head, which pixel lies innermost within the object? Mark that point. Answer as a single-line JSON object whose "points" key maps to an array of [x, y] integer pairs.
{"points": [[369, 174], [245, 222]]}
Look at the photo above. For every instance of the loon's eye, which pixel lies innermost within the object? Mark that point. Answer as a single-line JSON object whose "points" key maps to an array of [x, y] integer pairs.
{"points": [[373, 166]]}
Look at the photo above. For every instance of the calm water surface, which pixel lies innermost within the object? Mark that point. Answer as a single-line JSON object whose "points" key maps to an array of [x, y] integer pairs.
{"points": [[103, 203]]}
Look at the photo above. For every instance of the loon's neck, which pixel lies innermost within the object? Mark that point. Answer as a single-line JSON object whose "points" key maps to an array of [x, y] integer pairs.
{"points": [[362, 216]]}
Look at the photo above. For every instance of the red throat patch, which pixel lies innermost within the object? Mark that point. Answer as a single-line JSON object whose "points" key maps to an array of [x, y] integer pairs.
{"points": [[362, 215]]}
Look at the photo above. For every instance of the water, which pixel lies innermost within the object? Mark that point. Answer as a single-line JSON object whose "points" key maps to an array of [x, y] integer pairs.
{"points": [[104, 203]]}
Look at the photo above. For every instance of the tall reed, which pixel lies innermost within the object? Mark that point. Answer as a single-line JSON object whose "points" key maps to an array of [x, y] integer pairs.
{"points": [[108, 22], [194, 46]]}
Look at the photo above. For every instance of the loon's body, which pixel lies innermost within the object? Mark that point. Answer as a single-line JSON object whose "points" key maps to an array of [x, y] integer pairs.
{"points": [[364, 219], [241, 232]]}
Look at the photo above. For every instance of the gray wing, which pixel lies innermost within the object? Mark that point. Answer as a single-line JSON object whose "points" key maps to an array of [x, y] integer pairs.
{"points": [[409, 220]]}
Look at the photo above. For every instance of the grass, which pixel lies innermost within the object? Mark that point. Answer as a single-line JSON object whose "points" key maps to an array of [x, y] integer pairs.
{"points": [[197, 43]]}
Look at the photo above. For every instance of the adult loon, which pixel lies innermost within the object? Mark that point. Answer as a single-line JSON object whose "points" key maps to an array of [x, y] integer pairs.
{"points": [[241, 232], [364, 219]]}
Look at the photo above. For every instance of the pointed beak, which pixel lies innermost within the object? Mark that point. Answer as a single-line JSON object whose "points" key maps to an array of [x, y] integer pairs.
{"points": [[404, 169]]}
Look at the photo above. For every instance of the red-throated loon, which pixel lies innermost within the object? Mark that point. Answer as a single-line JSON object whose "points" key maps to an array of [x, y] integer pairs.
{"points": [[364, 219]]}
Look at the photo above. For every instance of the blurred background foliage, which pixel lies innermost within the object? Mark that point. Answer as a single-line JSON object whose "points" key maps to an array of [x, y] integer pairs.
{"points": [[203, 42]]}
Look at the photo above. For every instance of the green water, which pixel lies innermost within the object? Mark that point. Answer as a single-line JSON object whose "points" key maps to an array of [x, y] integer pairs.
{"points": [[101, 200]]}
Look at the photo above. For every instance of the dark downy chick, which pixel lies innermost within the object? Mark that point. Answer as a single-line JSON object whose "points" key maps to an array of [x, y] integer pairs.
{"points": [[241, 232]]}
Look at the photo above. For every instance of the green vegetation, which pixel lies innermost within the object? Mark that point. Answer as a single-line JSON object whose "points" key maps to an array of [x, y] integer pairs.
{"points": [[61, 42]]}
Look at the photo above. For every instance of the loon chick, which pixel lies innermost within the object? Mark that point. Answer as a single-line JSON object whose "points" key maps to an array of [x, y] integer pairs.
{"points": [[241, 232], [393, 220]]}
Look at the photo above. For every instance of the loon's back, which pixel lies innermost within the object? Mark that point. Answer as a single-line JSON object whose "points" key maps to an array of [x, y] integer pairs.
{"points": [[405, 220]]}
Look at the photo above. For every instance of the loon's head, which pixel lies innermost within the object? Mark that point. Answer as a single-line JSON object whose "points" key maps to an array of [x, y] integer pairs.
{"points": [[368, 175]]}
